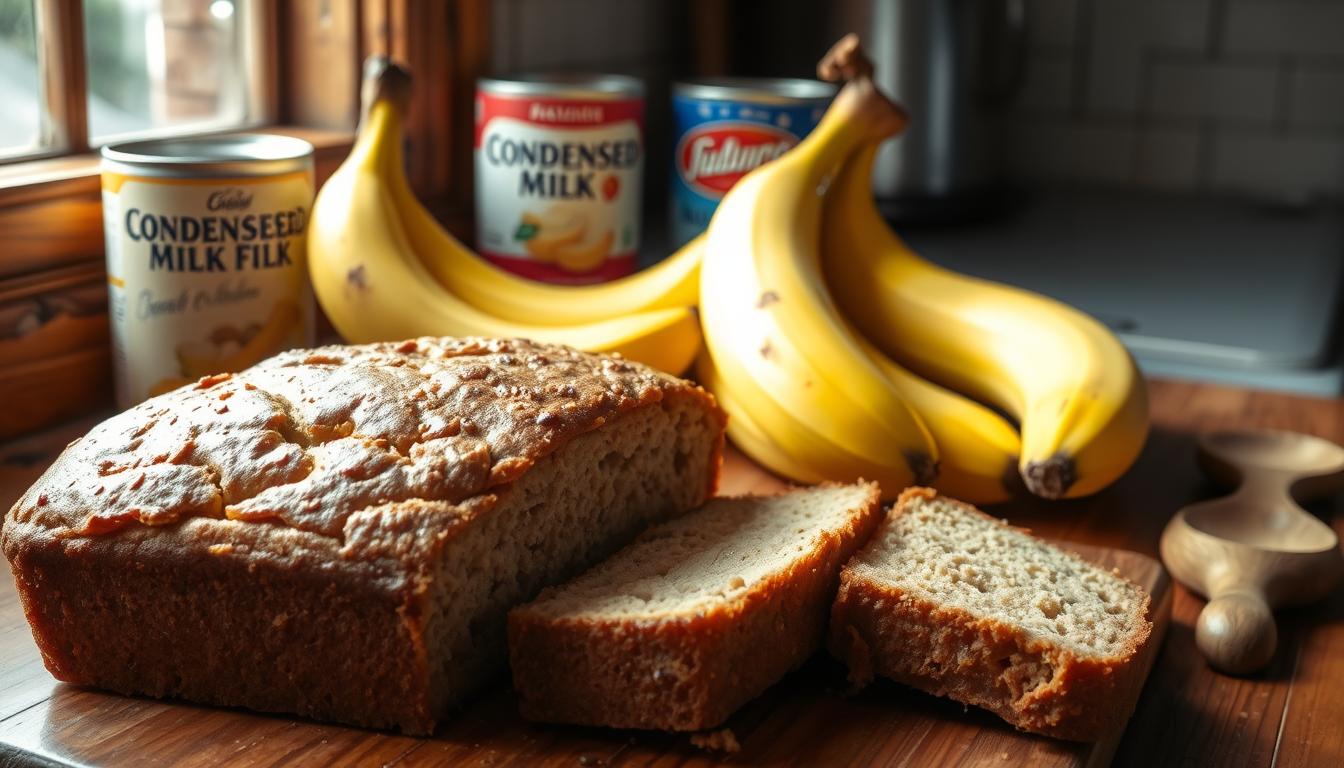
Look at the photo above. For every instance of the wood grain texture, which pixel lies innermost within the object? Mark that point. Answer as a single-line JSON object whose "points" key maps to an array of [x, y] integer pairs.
{"points": [[65, 72], [320, 82], [470, 23], [59, 365], [52, 389], [421, 36], [1290, 714], [53, 233]]}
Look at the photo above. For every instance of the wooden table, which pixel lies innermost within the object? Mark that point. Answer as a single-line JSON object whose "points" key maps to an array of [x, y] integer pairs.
{"points": [[1291, 714]]}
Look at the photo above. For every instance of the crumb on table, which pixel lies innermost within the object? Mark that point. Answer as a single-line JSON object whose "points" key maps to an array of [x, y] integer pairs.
{"points": [[721, 740]]}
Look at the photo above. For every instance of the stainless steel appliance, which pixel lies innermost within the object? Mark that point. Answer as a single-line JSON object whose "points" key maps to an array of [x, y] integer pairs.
{"points": [[954, 64]]}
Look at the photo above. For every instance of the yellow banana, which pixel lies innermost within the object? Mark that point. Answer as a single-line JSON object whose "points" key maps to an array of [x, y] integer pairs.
{"points": [[1070, 384], [374, 288], [672, 283], [769, 322], [776, 437], [746, 434], [977, 448]]}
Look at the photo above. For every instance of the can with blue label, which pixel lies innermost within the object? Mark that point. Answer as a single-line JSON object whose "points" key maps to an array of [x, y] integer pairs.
{"points": [[727, 126]]}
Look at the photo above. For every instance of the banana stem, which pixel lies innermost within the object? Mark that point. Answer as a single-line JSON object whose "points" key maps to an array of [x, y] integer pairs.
{"points": [[383, 79], [860, 99], [385, 95], [860, 114]]}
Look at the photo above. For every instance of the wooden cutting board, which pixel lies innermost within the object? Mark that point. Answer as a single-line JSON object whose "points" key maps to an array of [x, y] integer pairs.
{"points": [[809, 718]]}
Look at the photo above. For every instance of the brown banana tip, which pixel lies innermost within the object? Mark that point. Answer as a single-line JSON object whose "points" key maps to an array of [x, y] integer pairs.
{"points": [[384, 79], [846, 60], [924, 468], [1051, 478]]}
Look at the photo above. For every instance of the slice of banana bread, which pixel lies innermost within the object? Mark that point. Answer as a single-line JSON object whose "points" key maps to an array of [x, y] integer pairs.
{"points": [[950, 600], [697, 617], [340, 532]]}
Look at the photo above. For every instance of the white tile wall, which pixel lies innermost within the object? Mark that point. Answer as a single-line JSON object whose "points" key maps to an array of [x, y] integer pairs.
{"points": [[1294, 27], [1293, 169], [1051, 22], [1123, 32], [1317, 97], [1239, 96], [1244, 96], [1047, 84], [1213, 89], [1167, 157], [1051, 150]]}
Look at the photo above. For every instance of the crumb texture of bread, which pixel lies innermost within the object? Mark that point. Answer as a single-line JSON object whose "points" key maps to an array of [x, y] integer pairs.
{"points": [[957, 603], [698, 616], [340, 532]]}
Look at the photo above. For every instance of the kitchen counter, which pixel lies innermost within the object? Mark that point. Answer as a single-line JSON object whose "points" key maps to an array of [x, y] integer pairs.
{"points": [[1291, 714], [1198, 287]]}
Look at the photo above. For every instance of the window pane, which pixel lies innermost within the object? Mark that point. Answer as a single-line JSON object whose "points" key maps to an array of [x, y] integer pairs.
{"points": [[156, 64], [21, 102]]}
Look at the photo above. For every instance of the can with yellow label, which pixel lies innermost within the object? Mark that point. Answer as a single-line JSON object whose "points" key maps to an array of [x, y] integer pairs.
{"points": [[206, 264]]}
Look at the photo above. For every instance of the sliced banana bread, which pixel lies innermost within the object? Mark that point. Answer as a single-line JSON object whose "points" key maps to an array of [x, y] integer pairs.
{"points": [[950, 600], [697, 617], [340, 532]]}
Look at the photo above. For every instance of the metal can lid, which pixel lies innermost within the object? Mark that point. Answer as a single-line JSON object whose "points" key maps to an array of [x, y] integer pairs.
{"points": [[766, 90], [231, 154], [576, 85]]}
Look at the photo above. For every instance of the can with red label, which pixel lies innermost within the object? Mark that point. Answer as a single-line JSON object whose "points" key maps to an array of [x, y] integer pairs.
{"points": [[727, 126], [559, 175]]}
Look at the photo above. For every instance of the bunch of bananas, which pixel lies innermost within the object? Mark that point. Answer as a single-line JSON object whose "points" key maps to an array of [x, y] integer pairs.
{"points": [[811, 307], [827, 340], [383, 268]]}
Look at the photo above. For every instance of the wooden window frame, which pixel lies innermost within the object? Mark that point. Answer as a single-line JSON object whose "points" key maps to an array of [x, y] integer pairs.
{"points": [[63, 68], [51, 231], [60, 32]]}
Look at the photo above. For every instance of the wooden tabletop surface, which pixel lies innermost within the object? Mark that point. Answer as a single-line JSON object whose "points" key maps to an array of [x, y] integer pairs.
{"points": [[1291, 714]]}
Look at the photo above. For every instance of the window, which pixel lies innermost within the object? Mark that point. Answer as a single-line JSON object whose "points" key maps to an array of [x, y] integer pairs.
{"points": [[21, 127], [167, 64], [82, 74], [76, 74]]}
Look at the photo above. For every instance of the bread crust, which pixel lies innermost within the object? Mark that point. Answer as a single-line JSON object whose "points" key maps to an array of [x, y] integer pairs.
{"points": [[267, 539], [149, 614], [1034, 684], [681, 673]]}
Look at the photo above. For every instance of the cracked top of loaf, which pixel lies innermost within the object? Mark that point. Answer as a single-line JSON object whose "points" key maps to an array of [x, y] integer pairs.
{"points": [[310, 437]]}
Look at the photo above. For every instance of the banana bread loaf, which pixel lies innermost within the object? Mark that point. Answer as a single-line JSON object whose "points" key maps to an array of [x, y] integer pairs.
{"points": [[694, 619], [950, 600], [340, 532]]}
